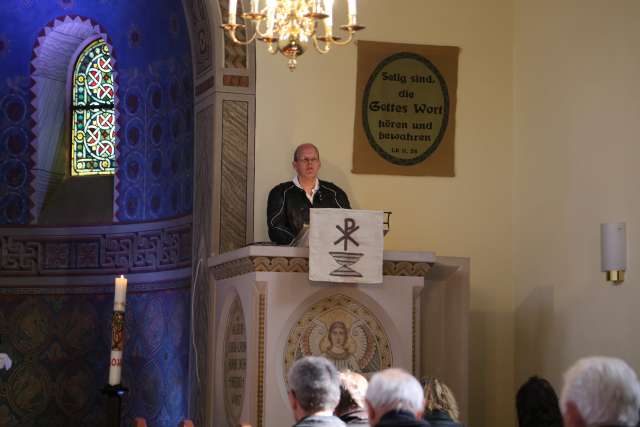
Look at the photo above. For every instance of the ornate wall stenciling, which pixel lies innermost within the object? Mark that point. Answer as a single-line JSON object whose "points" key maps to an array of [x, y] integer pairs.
{"points": [[85, 289], [202, 248], [405, 268], [198, 17], [414, 335], [301, 265], [234, 362], [233, 80], [57, 289], [205, 86], [262, 308], [235, 55], [344, 331], [233, 197], [155, 174], [83, 251], [59, 344]]}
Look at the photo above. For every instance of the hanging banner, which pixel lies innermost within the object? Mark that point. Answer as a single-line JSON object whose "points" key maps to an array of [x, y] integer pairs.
{"points": [[345, 246], [405, 109]]}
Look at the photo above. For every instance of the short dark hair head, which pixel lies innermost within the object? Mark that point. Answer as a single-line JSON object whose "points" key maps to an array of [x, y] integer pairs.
{"points": [[315, 384], [537, 404]]}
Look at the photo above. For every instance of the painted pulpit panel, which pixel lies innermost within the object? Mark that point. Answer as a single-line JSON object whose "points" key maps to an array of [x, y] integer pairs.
{"points": [[235, 362], [344, 331]]}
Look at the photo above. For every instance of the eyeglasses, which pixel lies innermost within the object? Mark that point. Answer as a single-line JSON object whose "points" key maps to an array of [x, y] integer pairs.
{"points": [[308, 160]]}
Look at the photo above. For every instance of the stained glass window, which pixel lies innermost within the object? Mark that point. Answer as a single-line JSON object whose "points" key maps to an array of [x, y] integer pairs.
{"points": [[93, 121]]}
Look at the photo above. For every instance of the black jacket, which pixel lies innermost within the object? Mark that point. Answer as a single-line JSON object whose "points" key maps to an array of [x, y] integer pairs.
{"points": [[355, 418], [440, 419], [401, 419], [288, 208]]}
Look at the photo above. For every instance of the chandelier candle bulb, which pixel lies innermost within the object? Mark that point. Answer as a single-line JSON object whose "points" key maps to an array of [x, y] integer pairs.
{"points": [[255, 6], [271, 13], [233, 4], [317, 6], [352, 11], [328, 21], [117, 331]]}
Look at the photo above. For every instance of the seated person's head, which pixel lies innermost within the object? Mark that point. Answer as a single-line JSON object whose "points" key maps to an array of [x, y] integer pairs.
{"points": [[393, 390], [600, 391], [314, 387], [353, 388], [439, 397], [537, 404]]}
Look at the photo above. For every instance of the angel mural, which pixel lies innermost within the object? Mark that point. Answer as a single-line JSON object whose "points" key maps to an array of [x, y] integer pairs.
{"points": [[344, 331], [338, 352], [351, 347]]}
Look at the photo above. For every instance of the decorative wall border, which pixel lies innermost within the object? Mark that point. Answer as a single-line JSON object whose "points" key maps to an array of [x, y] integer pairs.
{"points": [[405, 268], [234, 167], [133, 287], [414, 335], [121, 249], [197, 15], [251, 264], [262, 306]]}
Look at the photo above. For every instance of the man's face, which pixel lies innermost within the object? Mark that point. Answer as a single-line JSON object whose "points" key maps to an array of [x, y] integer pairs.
{"points": [[307, 163]]}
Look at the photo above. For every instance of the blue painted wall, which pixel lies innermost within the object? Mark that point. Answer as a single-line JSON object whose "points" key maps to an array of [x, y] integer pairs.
{"points": [[151, 44], [59, 345]]}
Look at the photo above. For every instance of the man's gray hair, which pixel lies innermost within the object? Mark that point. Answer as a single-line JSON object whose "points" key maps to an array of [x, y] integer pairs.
{"points": [[605, 391], [315, 384], [393, 390]]}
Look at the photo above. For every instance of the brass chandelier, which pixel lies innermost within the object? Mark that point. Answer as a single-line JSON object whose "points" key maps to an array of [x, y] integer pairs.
{"points": [[288, 26]]}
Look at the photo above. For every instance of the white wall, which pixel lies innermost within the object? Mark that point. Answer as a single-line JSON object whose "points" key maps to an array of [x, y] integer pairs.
{"points": [[576, 151], [469, 215]]}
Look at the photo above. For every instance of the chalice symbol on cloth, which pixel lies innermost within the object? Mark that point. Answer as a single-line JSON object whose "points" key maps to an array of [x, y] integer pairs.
{"points": [[346, 259]]}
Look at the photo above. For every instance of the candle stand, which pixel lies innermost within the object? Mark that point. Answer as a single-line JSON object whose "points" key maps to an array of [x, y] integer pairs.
{"points": [[114, 403]]}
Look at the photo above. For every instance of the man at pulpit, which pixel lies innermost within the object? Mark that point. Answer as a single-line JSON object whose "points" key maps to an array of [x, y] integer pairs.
{"points": [[289, 202]]}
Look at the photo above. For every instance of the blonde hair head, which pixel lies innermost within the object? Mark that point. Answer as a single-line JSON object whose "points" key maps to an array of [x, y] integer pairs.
{"points": [[439, 397]]}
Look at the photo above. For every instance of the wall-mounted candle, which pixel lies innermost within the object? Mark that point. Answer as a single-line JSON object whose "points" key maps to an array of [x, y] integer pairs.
{"points": [[352, 12], [328, 21], [233, 6], [117, 331]]}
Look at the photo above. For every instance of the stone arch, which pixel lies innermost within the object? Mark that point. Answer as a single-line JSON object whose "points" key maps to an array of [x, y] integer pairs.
{"points": [[56, 46]]}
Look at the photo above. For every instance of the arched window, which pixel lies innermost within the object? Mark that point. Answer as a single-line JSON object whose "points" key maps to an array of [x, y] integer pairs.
{"points": [[93, 150]]}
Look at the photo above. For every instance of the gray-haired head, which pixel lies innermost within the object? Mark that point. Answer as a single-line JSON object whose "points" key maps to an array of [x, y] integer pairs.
{"points": [[315, 384], [604, 390], [394, 390]]}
